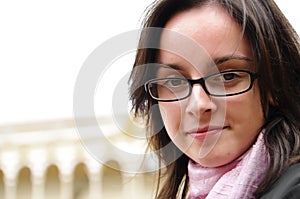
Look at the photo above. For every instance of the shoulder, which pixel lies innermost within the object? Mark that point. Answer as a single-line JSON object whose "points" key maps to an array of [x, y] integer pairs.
{"points": [[287, 186]]}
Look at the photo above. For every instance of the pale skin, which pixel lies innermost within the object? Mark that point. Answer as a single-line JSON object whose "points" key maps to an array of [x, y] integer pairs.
{"points": [[236, 119]]}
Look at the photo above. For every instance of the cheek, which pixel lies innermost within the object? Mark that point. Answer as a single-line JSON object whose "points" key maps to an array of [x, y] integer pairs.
{"points": [[245, 110], [171, 115]]}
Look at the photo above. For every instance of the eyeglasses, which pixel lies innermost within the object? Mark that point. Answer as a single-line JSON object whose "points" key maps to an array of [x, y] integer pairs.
{"points": [[222, 84]]}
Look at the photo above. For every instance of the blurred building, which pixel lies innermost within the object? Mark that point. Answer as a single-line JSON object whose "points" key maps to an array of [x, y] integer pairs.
{"points": [[49, 160]]}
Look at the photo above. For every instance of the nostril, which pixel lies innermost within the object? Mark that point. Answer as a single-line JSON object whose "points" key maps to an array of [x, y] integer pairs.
{"points": [[199, 102]]}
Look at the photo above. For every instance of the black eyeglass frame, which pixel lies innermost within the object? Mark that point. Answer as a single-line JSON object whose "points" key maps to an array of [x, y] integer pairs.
{"points": [[201, 81]]}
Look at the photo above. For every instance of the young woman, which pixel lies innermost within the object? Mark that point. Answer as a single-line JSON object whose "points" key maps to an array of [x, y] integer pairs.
{"points": [[224, 114]]}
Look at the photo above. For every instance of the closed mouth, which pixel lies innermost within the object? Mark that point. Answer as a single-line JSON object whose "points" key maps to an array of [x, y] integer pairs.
{"points": [[201, 133], [206, 130]]}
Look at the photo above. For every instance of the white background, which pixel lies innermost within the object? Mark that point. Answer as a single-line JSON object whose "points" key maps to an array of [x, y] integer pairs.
{"points": [[43, 45]]}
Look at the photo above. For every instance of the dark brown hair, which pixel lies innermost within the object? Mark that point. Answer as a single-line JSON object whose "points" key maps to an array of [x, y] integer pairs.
{"points": [[276, 51]]}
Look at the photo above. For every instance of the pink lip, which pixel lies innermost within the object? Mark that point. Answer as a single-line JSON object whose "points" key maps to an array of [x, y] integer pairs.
{"points": [[201, 133]]}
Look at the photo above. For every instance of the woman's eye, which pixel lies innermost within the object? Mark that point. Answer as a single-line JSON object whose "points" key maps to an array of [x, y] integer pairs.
{"points": [[175, 82], [229, 76]]}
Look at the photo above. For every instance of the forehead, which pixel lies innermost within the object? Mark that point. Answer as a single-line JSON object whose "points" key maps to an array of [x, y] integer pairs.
{"points": [[212, 28], [206, 16]]}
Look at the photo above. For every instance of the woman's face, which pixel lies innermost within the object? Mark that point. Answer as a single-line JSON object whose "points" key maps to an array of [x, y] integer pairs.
{"points": [[223, 128]]}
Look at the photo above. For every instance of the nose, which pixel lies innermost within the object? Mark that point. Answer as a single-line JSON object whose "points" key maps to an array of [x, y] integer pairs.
{"points": [[200, 102]]}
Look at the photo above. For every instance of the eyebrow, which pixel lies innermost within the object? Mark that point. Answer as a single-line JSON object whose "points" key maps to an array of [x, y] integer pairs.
{"points": [[214, 62], [172, 66], [231, 57]]}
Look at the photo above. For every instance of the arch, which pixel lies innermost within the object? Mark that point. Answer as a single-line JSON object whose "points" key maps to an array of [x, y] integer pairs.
{"points": [[52, 183], [80, 182], [24, 185], [112, 180]]}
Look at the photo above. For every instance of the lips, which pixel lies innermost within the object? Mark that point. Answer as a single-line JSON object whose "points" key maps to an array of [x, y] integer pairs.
{"points": [[208, 131]]}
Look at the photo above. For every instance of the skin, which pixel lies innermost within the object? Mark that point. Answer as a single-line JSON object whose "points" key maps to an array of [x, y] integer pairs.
{"points": [[236, 120]]}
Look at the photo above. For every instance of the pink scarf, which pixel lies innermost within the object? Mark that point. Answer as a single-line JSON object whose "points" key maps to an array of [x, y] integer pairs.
{"points": [[238, 179]]}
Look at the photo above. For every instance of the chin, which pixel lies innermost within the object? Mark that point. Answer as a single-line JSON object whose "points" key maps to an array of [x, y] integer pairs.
{"points": [[213, 161]]}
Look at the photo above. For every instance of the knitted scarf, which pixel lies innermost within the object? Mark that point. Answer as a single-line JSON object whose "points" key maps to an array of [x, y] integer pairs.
{"points": [[236, 180]]}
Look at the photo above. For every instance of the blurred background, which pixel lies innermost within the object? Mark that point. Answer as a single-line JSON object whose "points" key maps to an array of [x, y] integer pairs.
{"points": [[43, 45]]}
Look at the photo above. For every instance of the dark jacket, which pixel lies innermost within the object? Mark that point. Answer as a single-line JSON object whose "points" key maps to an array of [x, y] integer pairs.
{"points": [[287, 186]]}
